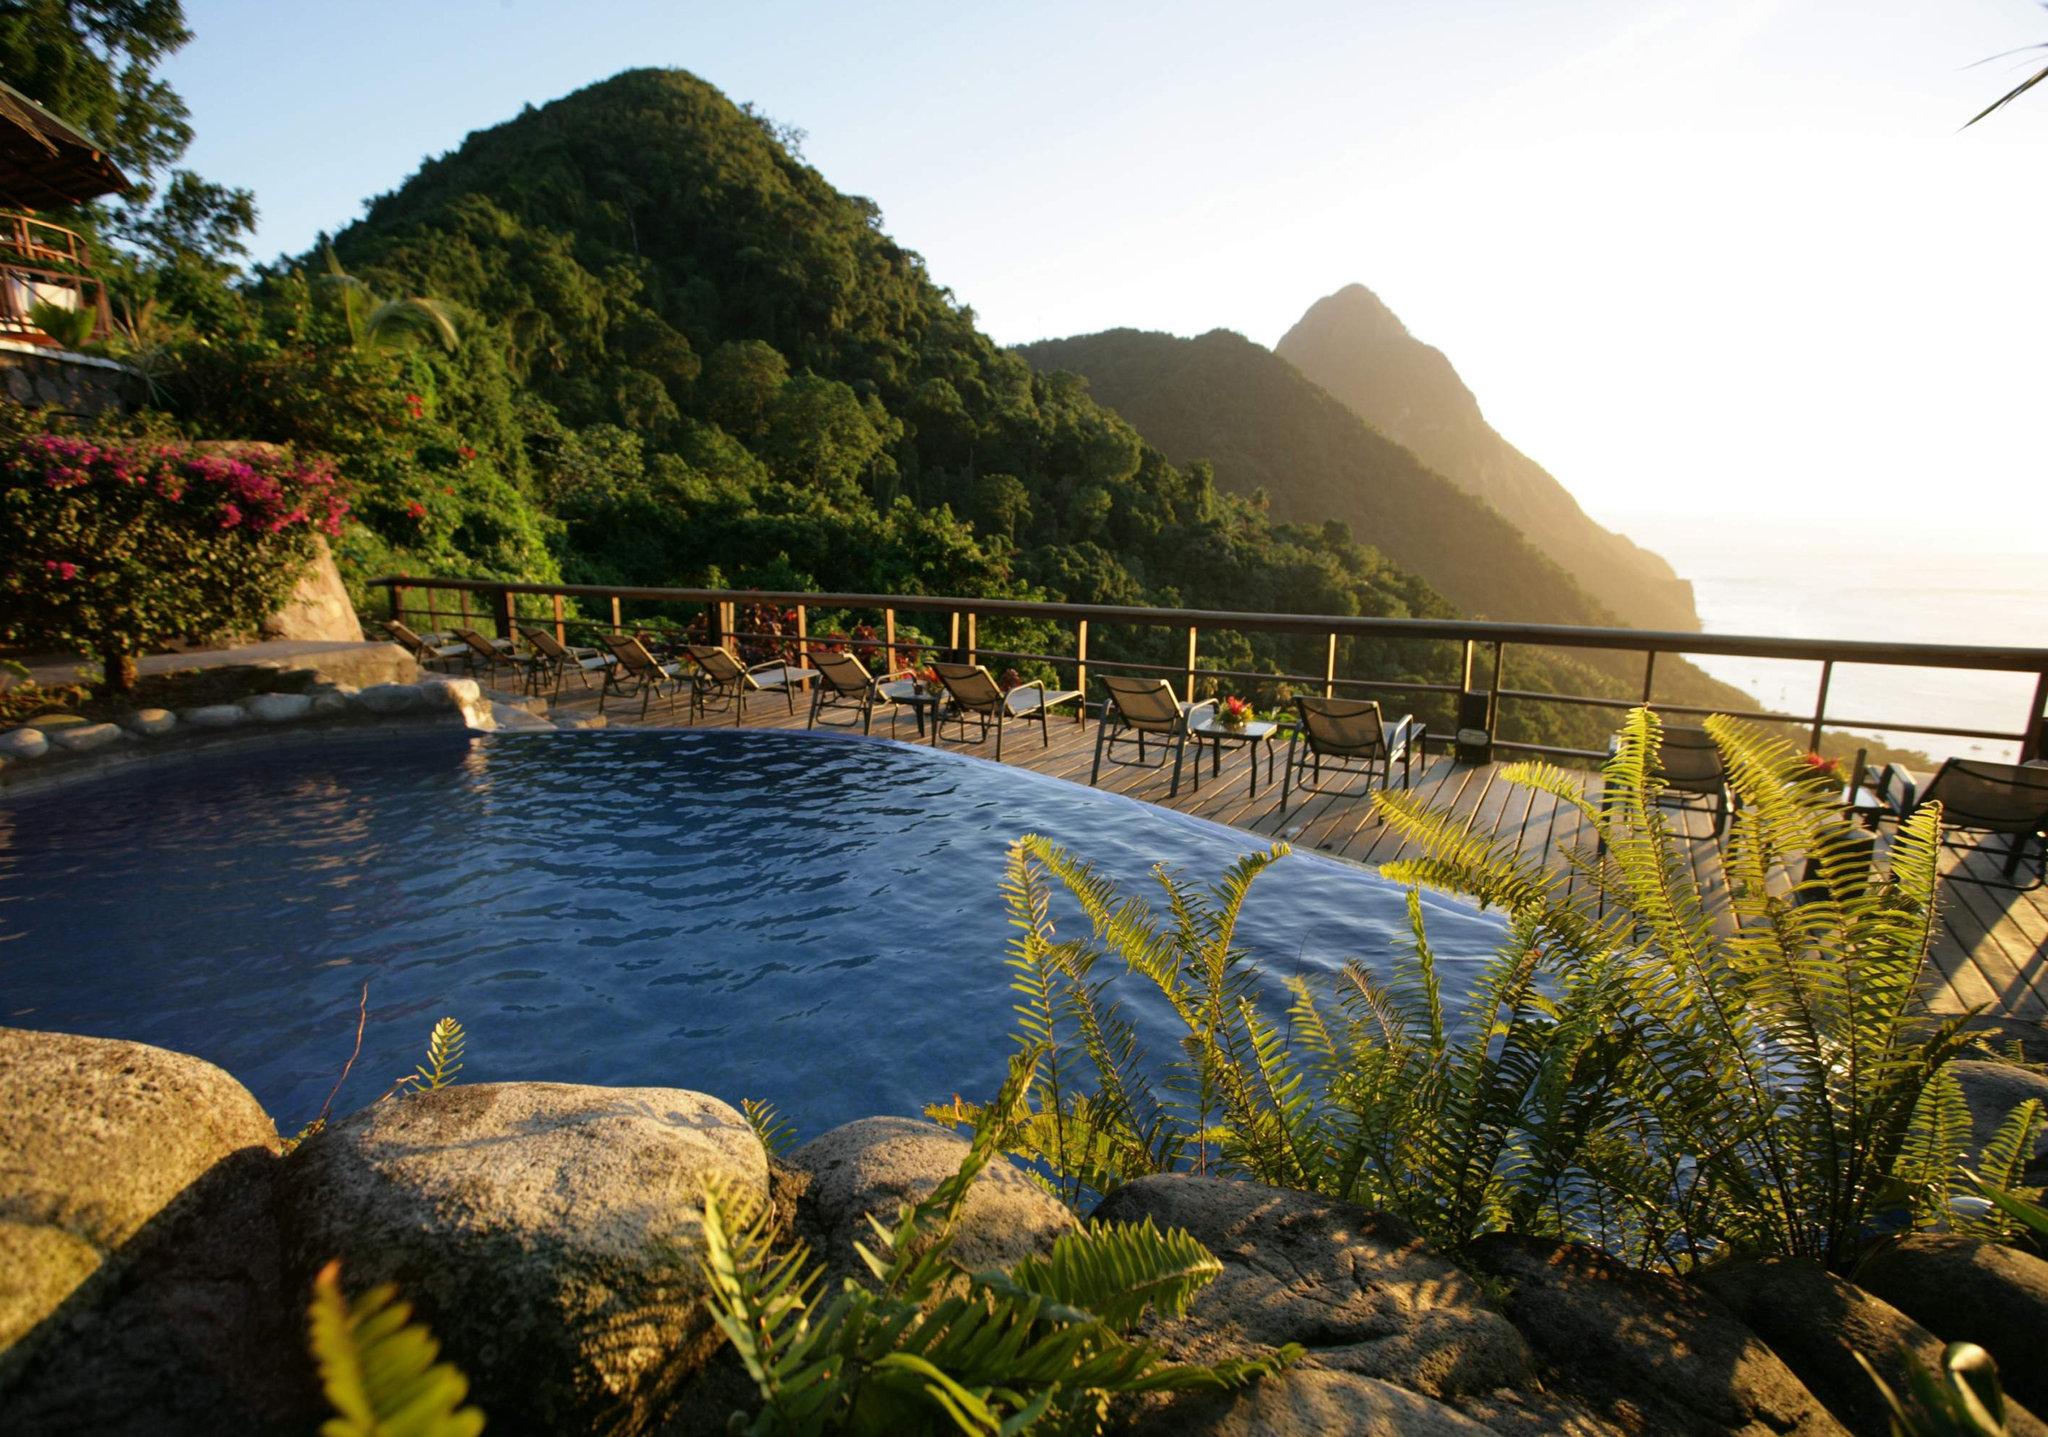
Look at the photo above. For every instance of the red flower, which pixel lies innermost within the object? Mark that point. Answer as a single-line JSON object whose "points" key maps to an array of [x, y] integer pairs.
{"points": [[60, 569], [467, 453], [416, 509]]}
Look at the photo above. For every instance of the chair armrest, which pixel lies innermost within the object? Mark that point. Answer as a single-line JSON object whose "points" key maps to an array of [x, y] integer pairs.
{"points": [[1189, 709]]}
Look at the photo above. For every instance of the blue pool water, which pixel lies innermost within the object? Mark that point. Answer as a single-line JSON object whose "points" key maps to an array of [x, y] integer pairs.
{"points": [[806, 918]]}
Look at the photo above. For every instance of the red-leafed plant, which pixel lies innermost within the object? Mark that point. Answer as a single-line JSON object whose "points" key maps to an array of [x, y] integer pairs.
{"points": [[112, 548]]}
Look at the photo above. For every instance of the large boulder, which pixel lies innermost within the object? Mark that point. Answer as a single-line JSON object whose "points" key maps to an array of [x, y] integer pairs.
{"points": [[138, 1274], [1993, 1090], [1649, 1352], [874, 1165], [1310, 1402], [1966, 1290], [1818, 1324], [549, 1233], [1359, 1289], [319, 606]]}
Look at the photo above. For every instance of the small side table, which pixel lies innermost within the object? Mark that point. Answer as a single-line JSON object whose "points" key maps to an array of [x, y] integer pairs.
{"points": [[1255, 734], [905, 693]]}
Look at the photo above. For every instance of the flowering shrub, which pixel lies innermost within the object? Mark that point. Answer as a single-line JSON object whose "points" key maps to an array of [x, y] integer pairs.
{"points": [[114, 547]]}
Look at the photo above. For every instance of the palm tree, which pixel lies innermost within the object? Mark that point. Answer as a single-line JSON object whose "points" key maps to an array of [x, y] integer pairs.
{"points": [[375, 323]]}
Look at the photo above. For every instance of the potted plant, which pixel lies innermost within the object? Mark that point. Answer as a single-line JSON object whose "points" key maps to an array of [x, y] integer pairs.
{"points": [[1232, 712]]}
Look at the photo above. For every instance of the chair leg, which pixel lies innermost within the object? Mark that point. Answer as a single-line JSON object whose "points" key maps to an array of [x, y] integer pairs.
{"points": [[999, 735], [1101, 736], [817, 698], [1180, 749]]}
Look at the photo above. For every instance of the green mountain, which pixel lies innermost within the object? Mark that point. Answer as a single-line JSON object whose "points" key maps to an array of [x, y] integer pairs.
{"points": [[1352, 345], [1267, 429]]}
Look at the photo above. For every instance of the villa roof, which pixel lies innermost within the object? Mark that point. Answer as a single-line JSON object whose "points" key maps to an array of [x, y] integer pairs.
{"points": [[45, 162]]}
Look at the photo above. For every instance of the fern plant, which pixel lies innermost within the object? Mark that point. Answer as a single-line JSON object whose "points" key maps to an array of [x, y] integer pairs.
{"points": [[1931, 1181], [1045, 1346], [378, 1369], [444, 1056], [775, 1132], [1637, 1066]]}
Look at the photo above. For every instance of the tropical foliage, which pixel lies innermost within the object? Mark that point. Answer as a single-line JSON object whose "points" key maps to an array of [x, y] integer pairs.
{"points": [[928, 1345], [1632, 1069], [378, 1367], [1962, 1399], [110, 548]]}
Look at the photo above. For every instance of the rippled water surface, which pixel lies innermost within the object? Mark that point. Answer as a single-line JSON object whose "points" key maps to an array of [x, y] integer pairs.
{"points": [[805, 918]]}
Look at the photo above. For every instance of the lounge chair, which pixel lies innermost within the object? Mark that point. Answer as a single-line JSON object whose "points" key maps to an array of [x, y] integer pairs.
{"points": [[557, 660], [427, 652], [638, 673], [723, 679], [1140, 708], [2007, 799], [844, 684], [1690, 768], [488, 657], [976, 694], [1350, 737]]}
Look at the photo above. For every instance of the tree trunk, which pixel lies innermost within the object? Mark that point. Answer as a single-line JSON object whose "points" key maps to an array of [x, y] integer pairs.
{"points": [[121, 668]]}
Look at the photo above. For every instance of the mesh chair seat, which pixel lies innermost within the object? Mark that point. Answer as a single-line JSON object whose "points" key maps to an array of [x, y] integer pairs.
{"points": [[2005, 799], [637, 673], [974, 693], [1137, 709], [1352, 737], [843, 682], [723, 679]]}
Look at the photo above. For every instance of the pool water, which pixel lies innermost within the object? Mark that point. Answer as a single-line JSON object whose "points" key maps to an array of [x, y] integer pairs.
{"points": [[807, 918]]}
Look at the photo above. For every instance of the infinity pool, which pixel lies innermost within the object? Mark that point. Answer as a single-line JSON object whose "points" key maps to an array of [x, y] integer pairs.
{"points": [[807, 918]]}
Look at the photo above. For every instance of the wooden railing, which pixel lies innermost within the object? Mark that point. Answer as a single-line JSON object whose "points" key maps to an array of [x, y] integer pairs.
{"points": [[40, 261], [1478, 647]]}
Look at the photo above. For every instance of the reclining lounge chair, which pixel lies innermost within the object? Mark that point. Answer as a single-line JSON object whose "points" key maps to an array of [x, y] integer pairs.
{"points": [[976, 694], [722, 679], [845, 685], [638, 673], [555, 660], [1140, 708], [2006, 799], [1350, 737]]}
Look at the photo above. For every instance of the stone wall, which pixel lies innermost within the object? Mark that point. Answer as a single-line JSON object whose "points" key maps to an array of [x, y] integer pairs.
{"points": [[43, 378], [319, 608]]}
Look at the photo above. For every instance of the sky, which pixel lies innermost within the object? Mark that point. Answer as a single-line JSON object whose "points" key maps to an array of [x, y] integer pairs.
{"points": [[1734, 261]]}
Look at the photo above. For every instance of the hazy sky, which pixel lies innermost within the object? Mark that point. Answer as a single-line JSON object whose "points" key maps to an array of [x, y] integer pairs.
{"points": [[1732, 259]]}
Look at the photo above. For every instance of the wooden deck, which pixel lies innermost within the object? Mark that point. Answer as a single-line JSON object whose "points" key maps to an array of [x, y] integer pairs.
{"points": [[1991, 952]]}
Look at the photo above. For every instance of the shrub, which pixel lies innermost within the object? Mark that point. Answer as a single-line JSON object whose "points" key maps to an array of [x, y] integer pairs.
{"points": [[114, 547], [1636, 1068]]}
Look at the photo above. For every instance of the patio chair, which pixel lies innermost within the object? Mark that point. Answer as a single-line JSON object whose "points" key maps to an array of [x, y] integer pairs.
{"points": [[1690, 768], [844, 684], [2006, 799], [638, 673], [558, 660], [427, 652], [976, 694], [722, 679], [1137, 709], [1352, 738], [489, 657]]}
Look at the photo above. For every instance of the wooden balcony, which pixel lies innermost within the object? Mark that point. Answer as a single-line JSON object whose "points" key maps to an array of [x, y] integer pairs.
{"points": [[45, 263], [1991, 951]]}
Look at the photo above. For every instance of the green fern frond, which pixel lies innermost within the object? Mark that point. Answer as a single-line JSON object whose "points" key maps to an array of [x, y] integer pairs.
{"points": [[378, 1368], [1112, 1273], [444, 1055], [776, 1133]]}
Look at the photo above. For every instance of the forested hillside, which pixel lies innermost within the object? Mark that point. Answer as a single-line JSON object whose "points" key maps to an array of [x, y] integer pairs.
{"points": [[1352, 345], [1264, 427]]}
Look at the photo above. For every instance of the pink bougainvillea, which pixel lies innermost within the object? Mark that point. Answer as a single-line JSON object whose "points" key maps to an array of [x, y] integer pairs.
{"points": [[110, 547]]}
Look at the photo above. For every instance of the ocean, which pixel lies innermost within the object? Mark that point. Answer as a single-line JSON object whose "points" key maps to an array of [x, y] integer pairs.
{"points": [[1800, 581]]}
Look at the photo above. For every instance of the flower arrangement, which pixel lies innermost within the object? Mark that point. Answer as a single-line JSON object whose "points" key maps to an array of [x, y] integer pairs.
{"points": [[1233, 712]]}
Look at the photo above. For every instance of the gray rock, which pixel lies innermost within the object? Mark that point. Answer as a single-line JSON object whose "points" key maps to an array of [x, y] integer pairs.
{"points": [[51, 723], [1994, 1089], [216, 716], [549, 1233], [392, 698], [333, 702], [509, 719], [1966, 1290], [1359, 1289], [1817, 1323], [1647, 1351], [24, 743], [86, 737], [104, 1146], [583, 721], [874, 1165], [1310, 1402], [151, 722], [278, 708]]}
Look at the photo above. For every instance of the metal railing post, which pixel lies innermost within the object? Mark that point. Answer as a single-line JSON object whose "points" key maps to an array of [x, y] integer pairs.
{"points": [[1193, 634], [561, 628], [889, 639], [803, 635], [617, 624], [1649, 675], [1330, 670], [1493, 694], [953, 632], [1081, 669], [1820, 701], [397, 592], [2031, 747], [503, 617], [972, 638]]}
